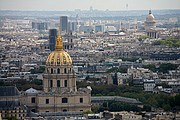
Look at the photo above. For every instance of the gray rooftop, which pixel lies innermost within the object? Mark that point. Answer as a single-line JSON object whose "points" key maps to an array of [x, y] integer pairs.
{"points": [[9, 91], [9, 105], [114, 98]]}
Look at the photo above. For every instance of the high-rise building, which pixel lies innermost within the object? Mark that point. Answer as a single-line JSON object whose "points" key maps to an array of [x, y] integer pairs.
{"points": [[40, 25], [64, 24], [52, 39], [99, 28]]}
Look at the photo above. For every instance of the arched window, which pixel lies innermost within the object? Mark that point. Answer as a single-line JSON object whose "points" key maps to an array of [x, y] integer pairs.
{"points": [[65, 83], [69, 70], [58, 71], [51, 71], [65, 71], [58, 83], [64, 100]]}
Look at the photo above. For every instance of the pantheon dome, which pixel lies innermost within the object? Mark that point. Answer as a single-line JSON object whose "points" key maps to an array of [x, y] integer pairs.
{"points": [[150, 21]]}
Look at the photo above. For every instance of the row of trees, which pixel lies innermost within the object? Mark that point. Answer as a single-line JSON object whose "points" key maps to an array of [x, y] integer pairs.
{"points": [[115, 106], [148, 99], [165, 67], [40, 69], [170, 42]]}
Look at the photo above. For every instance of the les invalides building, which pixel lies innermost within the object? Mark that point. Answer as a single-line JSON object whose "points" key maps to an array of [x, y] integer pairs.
{"points": [[59, 93]]}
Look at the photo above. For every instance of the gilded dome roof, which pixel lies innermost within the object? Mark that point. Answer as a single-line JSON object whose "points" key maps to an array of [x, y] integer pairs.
{"points": [[59, 56]]}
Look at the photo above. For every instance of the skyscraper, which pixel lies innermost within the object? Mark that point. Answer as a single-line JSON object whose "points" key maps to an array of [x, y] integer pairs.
{"points": [[64, 23], [52, 39], [40, 25]]}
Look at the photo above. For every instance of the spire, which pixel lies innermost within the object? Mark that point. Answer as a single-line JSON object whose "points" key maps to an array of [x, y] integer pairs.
{"points": [[59, 43]]}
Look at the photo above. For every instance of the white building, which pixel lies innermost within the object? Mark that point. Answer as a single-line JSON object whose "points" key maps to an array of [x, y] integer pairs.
{"points": [[149, 85]]}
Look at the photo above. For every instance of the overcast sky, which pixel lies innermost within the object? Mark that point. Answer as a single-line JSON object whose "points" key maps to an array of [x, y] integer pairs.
{"points": [[85, 4]]}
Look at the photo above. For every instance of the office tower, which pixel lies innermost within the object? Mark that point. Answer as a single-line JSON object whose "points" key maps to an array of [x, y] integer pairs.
{"points": [[64, 23], [40, 25], [99, 28], [52, 39]]}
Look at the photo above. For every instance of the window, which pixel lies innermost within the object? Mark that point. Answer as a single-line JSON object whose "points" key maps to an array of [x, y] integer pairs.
{"points": [[65, 83], [64, 110], [58, 70], [51, 71], [33, 100], [47, 101], [65, 71], [51, 83], [64, 100], [58, 83], [81, 100]]}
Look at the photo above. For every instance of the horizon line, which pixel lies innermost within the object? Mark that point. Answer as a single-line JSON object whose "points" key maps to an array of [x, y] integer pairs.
{"points": [[89, 10]]}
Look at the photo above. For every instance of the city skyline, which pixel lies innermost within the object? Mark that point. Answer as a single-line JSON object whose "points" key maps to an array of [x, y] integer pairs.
{"points": [[114, 5]]}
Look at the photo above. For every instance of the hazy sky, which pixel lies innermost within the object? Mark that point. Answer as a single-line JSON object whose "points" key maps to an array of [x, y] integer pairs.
{"points": [[85, 4]]}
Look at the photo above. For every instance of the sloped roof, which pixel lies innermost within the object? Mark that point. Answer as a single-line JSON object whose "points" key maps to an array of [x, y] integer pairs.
{"points": [[9, 105], [31, 90], [9, 91]]}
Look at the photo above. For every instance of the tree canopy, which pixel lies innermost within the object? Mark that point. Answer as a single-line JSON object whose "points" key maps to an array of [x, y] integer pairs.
{"points": [[170, 42]]}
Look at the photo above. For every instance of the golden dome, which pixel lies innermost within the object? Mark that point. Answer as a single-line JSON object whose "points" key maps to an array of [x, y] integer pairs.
{"points": [[59, 56]]}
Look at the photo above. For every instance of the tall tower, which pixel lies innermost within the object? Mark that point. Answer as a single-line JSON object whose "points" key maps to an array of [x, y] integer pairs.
{"points": [[52, 39], [64, 23], [59, 74]]}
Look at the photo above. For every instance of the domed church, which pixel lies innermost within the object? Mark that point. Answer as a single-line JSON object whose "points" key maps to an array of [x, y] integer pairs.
{"points": [[150, 26], [59, 93], [150, 21]]}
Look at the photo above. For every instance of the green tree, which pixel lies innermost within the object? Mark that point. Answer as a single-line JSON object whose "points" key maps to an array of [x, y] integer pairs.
{"points": [[37, 82], [151, 67], [165, 67]]}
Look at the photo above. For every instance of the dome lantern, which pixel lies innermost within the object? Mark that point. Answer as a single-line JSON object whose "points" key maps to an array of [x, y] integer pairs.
{"points": [[58, 56]]}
